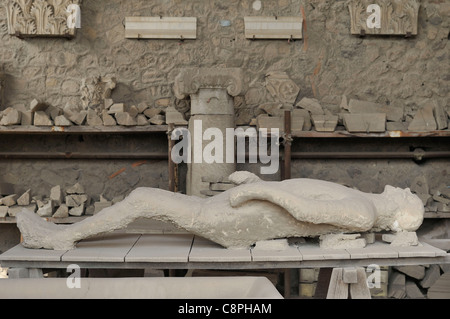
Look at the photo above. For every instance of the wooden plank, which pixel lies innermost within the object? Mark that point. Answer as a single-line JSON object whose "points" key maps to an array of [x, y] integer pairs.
{"points": [[375, 250], [22, 129], [20, 253], [108, 248], [161, 248], [204, 250], [311, 251], [337, 288], [360, 290], [161, 27], [290, 254], [274, 27]]}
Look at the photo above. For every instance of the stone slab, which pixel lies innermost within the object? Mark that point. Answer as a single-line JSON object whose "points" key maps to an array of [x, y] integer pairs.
{"points": [[108, 248], [375, 250], [311, 251], [161, 27], [204, 250], [161, 248], [19, 253], [365, 123], [289, 254]]}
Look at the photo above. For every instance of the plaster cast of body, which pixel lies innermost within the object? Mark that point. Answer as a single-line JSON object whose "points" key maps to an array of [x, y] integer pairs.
{"points": [[253, 211]]}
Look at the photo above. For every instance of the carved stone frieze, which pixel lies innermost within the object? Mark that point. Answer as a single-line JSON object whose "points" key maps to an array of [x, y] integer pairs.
{"points": [[189, 81], [384, 17], [49, 18]]}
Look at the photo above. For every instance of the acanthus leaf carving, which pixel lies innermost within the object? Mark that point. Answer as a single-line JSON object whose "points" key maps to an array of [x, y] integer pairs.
{"points": [[39, 17]]}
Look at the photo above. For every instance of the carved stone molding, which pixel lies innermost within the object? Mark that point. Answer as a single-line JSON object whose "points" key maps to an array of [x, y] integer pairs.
{"points": [[384, 17], [189, 81], [40, 18]]}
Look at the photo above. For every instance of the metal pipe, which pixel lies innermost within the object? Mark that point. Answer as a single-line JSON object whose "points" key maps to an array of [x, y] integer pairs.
{"points": [[416, 155], [83, 156]]}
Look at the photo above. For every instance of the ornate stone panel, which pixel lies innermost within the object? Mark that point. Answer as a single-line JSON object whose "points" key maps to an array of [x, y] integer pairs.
{"points": [[43, 18], [384, 17]]}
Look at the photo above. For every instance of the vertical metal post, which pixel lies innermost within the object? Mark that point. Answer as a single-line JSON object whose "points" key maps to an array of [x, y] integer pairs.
{"points": [[287, 145]]}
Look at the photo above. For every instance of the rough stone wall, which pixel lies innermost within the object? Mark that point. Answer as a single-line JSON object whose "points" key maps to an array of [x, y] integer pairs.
{"points": [[328, 63]]}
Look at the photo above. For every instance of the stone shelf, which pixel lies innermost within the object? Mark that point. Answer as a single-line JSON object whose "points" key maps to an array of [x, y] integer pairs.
{"points": [[19, 129]]}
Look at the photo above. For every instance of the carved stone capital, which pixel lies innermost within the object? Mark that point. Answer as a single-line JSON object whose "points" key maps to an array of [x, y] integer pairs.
{"points": [[189, 81], [34, 18]]}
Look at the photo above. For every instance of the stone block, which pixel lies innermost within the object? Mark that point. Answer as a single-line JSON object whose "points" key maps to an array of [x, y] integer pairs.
{"points": [[142, 107], [416, 272], [75, 189], [175, 117], [10, 117], [9, 200], [393, 113], [311, 105], [77, 211], [396, 126], [432, 274], [42, 119], [397, 286], [401, 239], [62, 212], [412, 291], [108, 120], [61, 120], [36, 106], [132, 110], [27, 118], [125, 119], [272, 108], [70, 202], [158, 119], [117, 108], [53, 112], [80, 118], [325, 123], [365, 123], [221, 186], [424, 119], [24, 200], [307, 289], [341, 241], [3, 211], [349, 276], [151, 112], [47, 210], [441, 199], [56, 195], [93, 119], [108, 104], [270, 122], [141, 120], [306, 118], [441, 117]]}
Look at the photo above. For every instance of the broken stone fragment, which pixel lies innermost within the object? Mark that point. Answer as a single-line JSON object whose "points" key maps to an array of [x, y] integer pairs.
{"points": [[56, 195], [80, 199], [272, 108], [92, 118], [125, 119], [108, 120], [24, 200], [307, 125], [47, 210], [132, 110], [151, 112], [53, 112], [365, 123], [61, 120], [401, 239], [141, 120], [441, 199], [142, 107], [3, 211], [416, 272], [342, 241], [325, 123], [62, 212], [270, 122], [424, 119], [174, 117], [312, 105], [158, 119], [441, 117], [79, 118], [36, 106], [11, 116], [77, 211], [117, 108], [108, 103], [27, 118], [393, 113], [76, 189], [42, 119], [396, 126], [9, 200], [221, 186]]}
